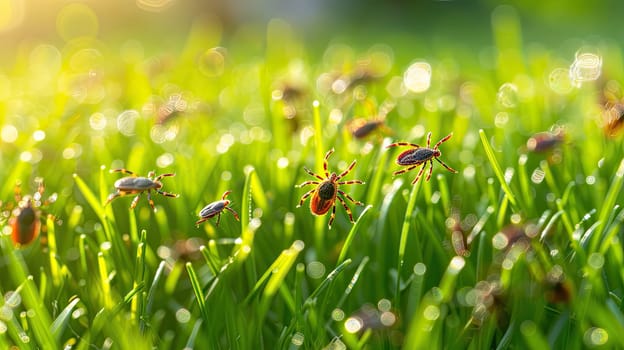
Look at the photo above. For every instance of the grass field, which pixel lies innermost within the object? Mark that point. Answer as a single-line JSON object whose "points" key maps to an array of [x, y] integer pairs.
{"points": [[518, 249]]}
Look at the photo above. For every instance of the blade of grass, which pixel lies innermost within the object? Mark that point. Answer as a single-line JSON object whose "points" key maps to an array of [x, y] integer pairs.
{"points": [[607, 207], [104, 281], [138, 304], [286, 261], [198, 290], [190, 343], [55, 269], [62, 320], [497, 169], [151, 295], [407, 221], [419, 331], [91, 199], [351, 236], [319, 149]]}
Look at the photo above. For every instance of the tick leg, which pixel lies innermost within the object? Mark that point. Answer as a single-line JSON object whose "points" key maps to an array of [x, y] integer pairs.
{"points": [[233, 212], [351, 182], [123, 171], [112, 196], [344, 204], [308, 183], [40, 187], [332, 216], [446, 166], [325, 161], [17, 191], [168, 194], [403, 144], [346, 171], [200, 221], [428, 139], [406, 169], [149, 199], [135, 201], [305, 196], [350, 198], [419, 174], [443, 140], [313, 174], [225, 194], [218, 219], [430, 169], [161, 176]]}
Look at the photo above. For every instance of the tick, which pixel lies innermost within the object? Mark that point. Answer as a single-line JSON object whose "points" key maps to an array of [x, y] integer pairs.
{"points": [[25, 222], [418, 156], [134, 184], [326, 191], [362, 127], [545, 141], [215, 209]]}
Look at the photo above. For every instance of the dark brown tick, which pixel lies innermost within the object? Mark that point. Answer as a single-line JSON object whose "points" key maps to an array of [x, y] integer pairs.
{"points": [[134, 184], [325, 192], [418, 156], [215, 209]]}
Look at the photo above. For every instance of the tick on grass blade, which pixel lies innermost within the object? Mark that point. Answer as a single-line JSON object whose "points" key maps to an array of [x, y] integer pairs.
{"points": [[25, 222], [418, 156], [325, 192], [215, 209], [134, 184]]}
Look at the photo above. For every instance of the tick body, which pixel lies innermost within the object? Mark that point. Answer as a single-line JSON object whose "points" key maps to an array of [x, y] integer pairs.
{"points": [[25, 222], [545, 141], [134, 184], [420, 156], [361, 127], [215, 209], [327, 190]]}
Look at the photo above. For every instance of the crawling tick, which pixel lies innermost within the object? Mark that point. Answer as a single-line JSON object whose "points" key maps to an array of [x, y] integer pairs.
{"points": [[215, 209], [25, 222], [417, 156], [326, 192], [134, 184]]}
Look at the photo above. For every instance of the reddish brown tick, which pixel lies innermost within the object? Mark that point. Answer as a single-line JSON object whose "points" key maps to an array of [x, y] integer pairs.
{"points": [[215, 209], [418, 156], [25, 222], [325, 192], [134, 184]]}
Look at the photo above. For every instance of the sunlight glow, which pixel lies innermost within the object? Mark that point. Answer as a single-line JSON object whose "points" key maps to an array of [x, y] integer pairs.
{"points": [[417, 77]]}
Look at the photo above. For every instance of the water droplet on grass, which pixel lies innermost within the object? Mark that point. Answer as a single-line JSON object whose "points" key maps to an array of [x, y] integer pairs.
{"points": [[507, 95], [559, 81], [587, 66], [126, 122]]}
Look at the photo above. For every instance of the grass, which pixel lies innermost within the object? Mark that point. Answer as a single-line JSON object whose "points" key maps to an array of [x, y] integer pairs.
{"points": [[541, 263]]}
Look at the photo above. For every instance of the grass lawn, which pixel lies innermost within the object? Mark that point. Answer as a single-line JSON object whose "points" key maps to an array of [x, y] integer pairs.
{"points": [[515, 244]]}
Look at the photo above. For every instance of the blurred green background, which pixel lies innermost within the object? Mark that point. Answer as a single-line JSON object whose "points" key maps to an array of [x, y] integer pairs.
{"points": [[424, 22]]}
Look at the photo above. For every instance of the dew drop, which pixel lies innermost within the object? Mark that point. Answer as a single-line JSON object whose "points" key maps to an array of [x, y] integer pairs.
{"points": [[507, 95]]}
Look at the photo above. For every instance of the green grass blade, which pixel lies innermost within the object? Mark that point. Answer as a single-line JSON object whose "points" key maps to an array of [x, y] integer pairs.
{"points": [[197, 289], [151, 295], [62, 320], [352, 233], [190, 343], [497, 169], [407, 221], [95, 204], [607, 208]]}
